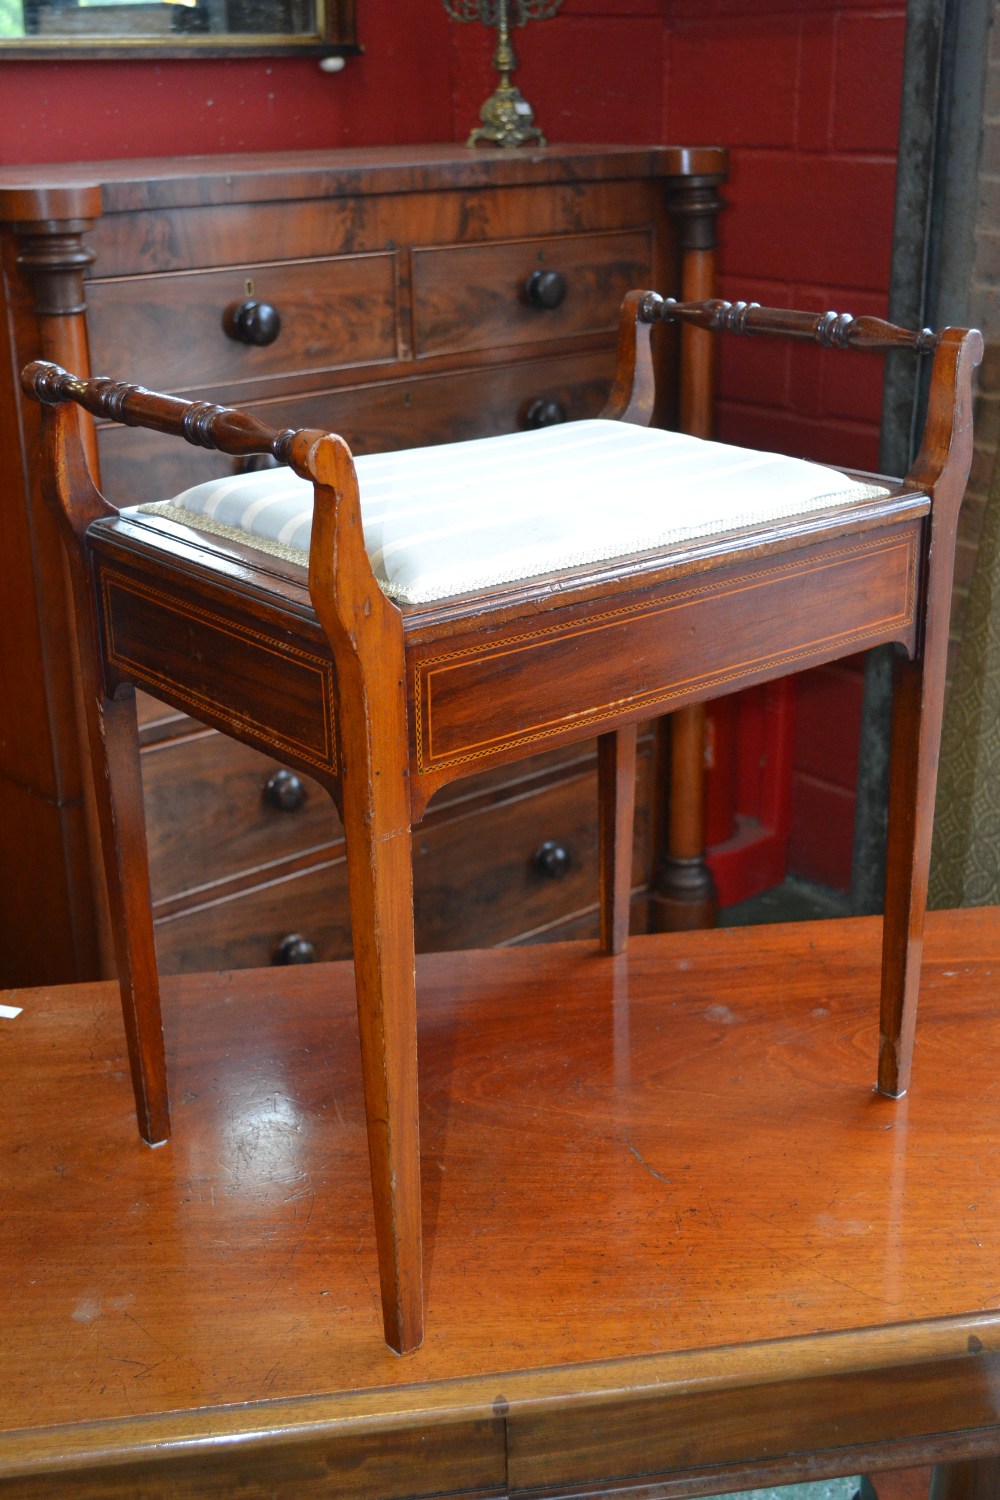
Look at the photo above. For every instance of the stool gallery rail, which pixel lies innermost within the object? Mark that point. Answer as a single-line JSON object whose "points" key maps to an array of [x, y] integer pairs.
{"points": [[388, 624]]}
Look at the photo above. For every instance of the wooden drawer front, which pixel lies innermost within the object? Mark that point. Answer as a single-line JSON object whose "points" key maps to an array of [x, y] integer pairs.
{"points": [[472, 296], [449, 408], [476, 882], [167, 331], [210, 815], [191, 236], [244, 931], [482, 880], [138, 466]]}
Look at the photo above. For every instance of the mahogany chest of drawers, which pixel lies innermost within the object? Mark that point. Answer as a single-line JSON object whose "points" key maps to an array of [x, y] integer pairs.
{"points": [[398, 296]]}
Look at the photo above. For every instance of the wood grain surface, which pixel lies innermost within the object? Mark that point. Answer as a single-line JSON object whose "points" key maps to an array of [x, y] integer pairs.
{"points": [[77, 189], [670, 1229]]}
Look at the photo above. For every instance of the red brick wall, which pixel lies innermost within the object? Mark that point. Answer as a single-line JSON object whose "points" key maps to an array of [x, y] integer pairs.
{"points": [[807, 95]]}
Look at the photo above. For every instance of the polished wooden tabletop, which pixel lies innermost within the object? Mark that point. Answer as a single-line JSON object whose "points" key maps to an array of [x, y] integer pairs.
{"points": [[674, 1239]]}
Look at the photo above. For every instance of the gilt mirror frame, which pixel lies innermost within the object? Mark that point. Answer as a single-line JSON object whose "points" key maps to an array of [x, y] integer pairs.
{"points": [[62, 30]]}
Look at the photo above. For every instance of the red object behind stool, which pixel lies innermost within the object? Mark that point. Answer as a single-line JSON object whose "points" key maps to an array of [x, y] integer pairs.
{"points": [[748, 781]]}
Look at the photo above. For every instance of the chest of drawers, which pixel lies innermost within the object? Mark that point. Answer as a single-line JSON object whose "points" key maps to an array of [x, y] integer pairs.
{"points": [[397, 296]]}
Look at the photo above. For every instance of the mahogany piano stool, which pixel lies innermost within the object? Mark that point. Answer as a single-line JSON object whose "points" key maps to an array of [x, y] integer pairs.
{"points": [[384, 703]]}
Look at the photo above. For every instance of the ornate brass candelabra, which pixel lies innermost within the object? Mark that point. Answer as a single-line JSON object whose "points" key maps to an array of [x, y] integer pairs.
{"points": [[507, 117]]}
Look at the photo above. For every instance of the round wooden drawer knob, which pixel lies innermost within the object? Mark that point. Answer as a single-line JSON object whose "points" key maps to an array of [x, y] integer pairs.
{"points": [[543, 413], [252, 322], [284, 791], [551, 859], [545, 289], [295, 949]]}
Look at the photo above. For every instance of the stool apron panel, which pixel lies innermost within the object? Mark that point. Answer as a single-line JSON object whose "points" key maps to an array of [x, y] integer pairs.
{"points": [[587, 669], [235, 674]]}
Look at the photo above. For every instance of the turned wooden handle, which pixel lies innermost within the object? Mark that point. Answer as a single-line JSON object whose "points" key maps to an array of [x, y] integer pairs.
{"points": [[198, 422], [832, 330]]}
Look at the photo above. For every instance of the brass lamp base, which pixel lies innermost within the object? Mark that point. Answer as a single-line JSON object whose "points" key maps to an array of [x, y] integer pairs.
{"points": [[507, 120], [507, 117]]}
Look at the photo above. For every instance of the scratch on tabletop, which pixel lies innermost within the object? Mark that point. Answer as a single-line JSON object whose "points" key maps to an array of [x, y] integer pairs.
{"points": [[177, 1356], [849, 1286], [645, 1163], [359, 1261], [306, 1191], [75, 1358], [299, 1240]]}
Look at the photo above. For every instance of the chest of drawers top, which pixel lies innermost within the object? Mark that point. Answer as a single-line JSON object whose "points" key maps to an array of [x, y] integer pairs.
{"points": [[74, 190]]}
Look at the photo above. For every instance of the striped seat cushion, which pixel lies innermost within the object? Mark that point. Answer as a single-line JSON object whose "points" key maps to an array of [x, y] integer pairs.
{"points": [[467, 516]]}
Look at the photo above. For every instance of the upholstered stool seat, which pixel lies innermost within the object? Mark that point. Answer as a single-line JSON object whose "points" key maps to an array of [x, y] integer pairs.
{"points": [[464, 606], [469, 516]]}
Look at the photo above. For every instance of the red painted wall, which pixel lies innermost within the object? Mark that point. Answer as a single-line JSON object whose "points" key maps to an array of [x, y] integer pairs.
{"points": [[596, 73], [806, 92], [398, 91]]}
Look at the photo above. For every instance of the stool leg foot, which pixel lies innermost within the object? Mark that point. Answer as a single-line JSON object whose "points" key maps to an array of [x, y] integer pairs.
{"points": [[616, 817], [916, 734], [940, 468], [381, 892], [365, 632], [113, 742], [114, 746]]}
